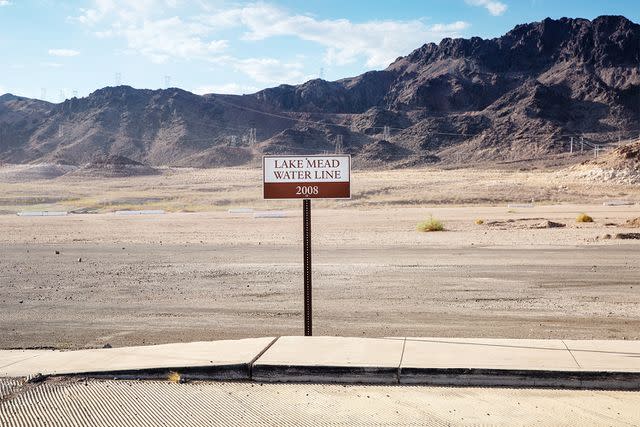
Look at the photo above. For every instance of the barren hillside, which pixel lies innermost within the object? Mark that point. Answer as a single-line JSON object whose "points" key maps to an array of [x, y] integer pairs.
{"points": [[519, 96]]}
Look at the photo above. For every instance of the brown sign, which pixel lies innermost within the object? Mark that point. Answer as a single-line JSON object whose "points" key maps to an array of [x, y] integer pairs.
{"points": [[307, 177]]}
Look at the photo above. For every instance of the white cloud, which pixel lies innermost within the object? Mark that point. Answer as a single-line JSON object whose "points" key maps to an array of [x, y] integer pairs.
{"points": [[163, 39], [5, 3], [227, 88], [63, 52], [267, 70], [51, 64], [147, 34], [377, 42], [496, 8], [121, 10]]}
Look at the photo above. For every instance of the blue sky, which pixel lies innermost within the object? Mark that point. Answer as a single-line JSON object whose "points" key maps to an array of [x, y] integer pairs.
{"points": [[61, 48]]}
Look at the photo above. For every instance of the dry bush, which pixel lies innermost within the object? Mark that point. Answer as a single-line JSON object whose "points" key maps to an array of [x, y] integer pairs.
{"points": [[174, 377], [583, 217], [432, 224]]}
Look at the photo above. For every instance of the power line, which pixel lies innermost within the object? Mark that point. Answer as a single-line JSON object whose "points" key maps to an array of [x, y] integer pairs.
{"points": [[280, 116], [350, 127]]}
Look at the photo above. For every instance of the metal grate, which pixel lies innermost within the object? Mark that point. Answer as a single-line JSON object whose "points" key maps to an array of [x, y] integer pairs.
{"points": [[156, 403], [9, 386]]}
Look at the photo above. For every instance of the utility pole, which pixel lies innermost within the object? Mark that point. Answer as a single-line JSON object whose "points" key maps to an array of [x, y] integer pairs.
{"points": [[581, 144], [571, 146], [386, 133]]}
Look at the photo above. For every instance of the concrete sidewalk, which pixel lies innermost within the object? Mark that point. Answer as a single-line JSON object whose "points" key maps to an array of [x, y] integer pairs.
{"points": [[443, 361]]}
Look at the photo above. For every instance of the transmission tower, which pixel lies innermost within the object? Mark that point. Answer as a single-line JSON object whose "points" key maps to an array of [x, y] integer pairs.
{"points": [[118, 79], [167, 82], [252, 137], [386, 133], [339, 145], [43, 93], [60, 130], [321, 73]]}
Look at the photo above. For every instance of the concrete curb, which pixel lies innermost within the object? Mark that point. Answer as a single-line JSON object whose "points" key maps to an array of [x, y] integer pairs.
{"points": [[325, 374], [187, 373], [457, 377], [605, 365], [521, 378]]}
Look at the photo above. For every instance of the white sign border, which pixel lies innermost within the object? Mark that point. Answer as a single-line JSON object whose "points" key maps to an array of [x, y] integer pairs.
{"points": [[308, 155]]}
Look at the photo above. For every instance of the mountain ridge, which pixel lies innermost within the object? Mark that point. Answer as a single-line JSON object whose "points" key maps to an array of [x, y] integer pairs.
{"points": [[515, 96]]}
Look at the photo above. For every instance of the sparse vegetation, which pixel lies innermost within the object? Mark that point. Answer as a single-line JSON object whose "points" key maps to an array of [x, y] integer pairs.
{"points": [[583, 217], [432, 224], [479, 221], [174, 377]]}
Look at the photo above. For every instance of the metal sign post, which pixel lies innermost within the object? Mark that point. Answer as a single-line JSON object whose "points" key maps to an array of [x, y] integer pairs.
{"points": [[306, 178], [306, 249]]}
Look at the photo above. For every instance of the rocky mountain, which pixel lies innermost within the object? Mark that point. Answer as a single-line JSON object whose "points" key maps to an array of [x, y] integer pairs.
{"points": [[519, 96]]}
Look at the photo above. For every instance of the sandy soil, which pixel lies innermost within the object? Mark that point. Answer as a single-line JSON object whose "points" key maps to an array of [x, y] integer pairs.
{"points": [[189, 190], [212, 275], [199, 273]]}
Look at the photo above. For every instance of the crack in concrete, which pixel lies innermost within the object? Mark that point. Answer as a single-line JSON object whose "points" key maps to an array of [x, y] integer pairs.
{"points": [[569, 350]]}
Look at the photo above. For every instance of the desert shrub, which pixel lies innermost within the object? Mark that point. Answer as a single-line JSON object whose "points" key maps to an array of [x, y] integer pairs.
{"points": [[583, 217], [479, 221], [432, 224], [174, 377]]}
